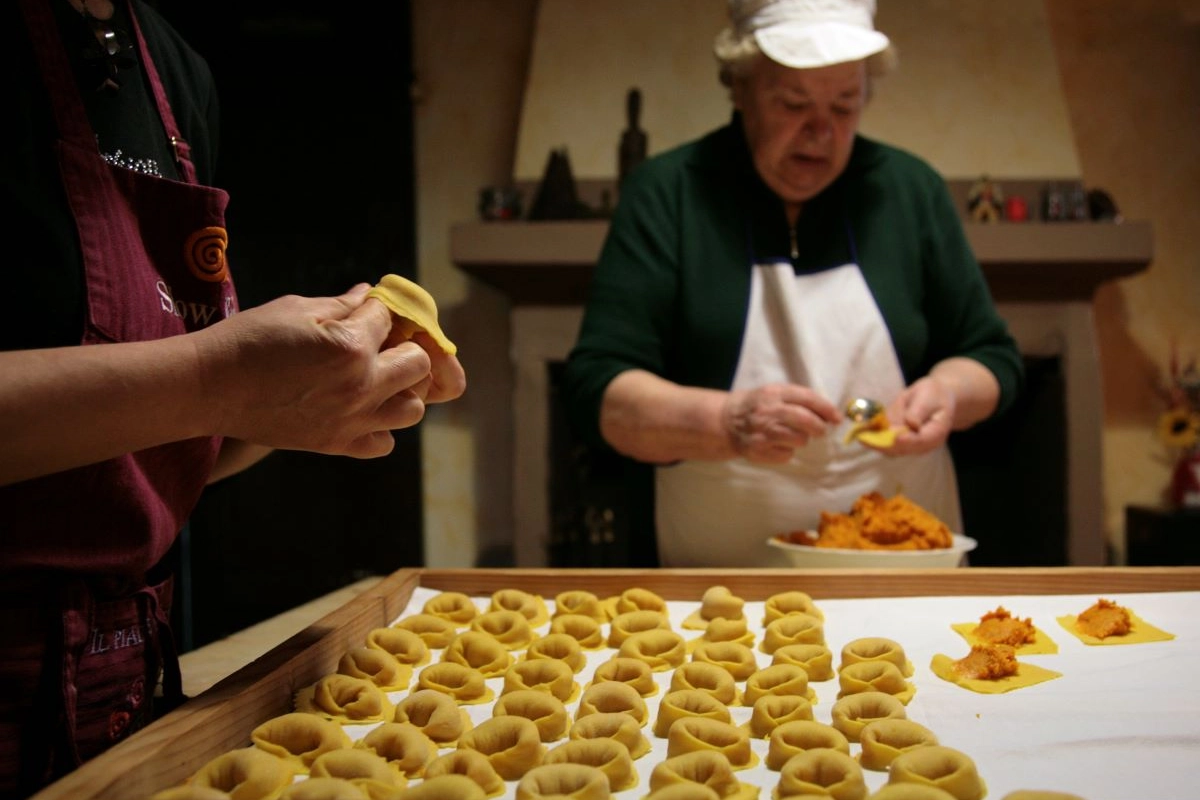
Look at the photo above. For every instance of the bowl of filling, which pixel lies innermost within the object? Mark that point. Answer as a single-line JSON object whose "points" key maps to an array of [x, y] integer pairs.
{"points": [[878, 532]]}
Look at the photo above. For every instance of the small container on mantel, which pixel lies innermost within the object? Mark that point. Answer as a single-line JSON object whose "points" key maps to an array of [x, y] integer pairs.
{"points": [[497, 203]]}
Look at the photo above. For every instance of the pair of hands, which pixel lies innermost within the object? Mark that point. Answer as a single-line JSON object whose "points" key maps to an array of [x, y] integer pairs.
{"points": [[322, 374], [767, 424]]}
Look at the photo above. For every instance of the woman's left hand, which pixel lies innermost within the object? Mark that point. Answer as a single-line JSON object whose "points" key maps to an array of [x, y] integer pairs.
{"points": [[923, 416]]}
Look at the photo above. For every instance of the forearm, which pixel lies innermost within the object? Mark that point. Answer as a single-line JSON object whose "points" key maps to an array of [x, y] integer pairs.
{"points": [[66, 407], [654, 420], [975, 388], [298, 373]]}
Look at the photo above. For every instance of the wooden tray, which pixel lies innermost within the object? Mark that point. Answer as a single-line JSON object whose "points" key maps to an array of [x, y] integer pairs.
{"points": [[220, 719]]}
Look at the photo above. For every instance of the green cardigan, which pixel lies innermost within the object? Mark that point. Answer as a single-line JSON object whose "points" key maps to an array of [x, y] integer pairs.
{"points": [[671, 287]]}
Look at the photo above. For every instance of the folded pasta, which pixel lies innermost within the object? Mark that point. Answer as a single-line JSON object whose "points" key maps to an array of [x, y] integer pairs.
{"points": [[379, 667], [615, 725], [854, 712], [543, 709], [470, 764], [792, 738], [608, 697], [703, 767], [404, 746], [453, 606], [414, 307], [574, 781], [772, 710], [479, 651], [512, 745], [822, 772], [708, 678], [463, 683], [435, 714], [716, 603], [607, 755], [883, 740], [632, 671], [940, 766], [247, 774], [345, 699], [299, 737], [688, 703], [689, 734]]}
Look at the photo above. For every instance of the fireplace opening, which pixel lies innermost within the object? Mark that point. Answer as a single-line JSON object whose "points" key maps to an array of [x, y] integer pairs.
{"points": [[1012, 475]]}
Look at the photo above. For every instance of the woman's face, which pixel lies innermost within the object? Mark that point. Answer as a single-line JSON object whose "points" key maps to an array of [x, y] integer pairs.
{"points": [[800, 123]]}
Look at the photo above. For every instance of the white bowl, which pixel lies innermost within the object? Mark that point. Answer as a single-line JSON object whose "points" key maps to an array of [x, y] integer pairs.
{"points": [[805, 555]]}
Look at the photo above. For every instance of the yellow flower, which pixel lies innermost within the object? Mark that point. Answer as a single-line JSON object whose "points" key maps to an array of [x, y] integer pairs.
{"points": [[1179, 427]]}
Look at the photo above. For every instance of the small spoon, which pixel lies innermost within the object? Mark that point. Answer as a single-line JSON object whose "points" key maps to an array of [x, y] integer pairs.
{"points": [[862, 409]]}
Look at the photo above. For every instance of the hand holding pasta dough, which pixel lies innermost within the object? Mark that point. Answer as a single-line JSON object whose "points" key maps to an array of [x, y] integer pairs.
{"points": [[415, 318], [318, 374]]}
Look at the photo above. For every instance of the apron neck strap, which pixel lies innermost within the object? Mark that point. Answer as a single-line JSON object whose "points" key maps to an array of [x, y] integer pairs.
{"points": [[66, 102]]}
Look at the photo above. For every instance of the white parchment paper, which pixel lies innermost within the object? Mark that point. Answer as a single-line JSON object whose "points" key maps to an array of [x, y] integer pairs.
{"points": [[1123, 721]]}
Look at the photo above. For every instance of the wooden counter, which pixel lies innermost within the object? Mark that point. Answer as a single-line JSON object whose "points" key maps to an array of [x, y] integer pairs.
{"points": [[221, 718]]}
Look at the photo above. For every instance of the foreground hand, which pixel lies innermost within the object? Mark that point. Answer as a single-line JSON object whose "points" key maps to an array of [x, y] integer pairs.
{"points": [[923, 416], [446, 380], [313, 374], [767, 424]]}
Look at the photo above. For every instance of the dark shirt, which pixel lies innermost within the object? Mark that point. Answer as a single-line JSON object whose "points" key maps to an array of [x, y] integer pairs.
{"points": [[43, 303]]}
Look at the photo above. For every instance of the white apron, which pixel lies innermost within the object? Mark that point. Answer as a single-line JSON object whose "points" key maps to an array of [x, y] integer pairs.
{"points": [[821, 330]]}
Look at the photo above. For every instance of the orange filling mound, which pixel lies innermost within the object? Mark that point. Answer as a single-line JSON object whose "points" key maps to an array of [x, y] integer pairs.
{"points": [[1001, 627], [876, 522], [987, 662], [1103, 619]]}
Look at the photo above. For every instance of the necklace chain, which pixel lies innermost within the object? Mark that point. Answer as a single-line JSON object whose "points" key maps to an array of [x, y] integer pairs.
{"points": [[108, 51]]}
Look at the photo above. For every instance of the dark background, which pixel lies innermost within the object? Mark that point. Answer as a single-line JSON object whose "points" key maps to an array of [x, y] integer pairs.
{"points": [[316, 151]]}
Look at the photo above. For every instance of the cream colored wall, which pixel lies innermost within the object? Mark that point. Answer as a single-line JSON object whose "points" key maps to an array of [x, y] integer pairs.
{"points": [[587, 55], [1131, 74], [977, 91], [469, 58]]}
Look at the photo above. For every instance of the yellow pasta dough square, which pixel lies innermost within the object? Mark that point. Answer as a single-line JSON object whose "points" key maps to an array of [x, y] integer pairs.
{"points": [[1140, 633], [876, 432], [1041, 645], [1027, 675]]}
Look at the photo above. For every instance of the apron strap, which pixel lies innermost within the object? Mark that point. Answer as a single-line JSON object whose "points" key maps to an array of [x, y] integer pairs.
{"points": [[65, 99], [55, 68], [162, 638], [183, 152]]}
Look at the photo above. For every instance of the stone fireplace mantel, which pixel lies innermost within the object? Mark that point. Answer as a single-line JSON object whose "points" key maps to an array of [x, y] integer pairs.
{"points": [[550, 263], [1042, 275]]}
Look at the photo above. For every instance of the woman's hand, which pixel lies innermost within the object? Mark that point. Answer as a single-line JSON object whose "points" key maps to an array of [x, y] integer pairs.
{"points": [[447, 380], [956, 394], [767, 424], [300, 373], [922, 416], [315, 374]]}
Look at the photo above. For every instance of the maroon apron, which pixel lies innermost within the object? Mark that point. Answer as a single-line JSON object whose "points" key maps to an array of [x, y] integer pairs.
{"points": [[83, 636]]}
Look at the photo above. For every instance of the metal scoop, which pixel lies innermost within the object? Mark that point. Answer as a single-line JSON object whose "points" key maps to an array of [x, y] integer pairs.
{"points": [[862, 409]]}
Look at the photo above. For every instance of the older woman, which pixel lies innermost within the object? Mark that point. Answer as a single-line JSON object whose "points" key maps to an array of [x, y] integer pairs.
{"points": [[756, 278]]}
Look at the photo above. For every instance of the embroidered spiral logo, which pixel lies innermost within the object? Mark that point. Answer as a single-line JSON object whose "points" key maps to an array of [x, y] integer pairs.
{"points": [[204, 254]]}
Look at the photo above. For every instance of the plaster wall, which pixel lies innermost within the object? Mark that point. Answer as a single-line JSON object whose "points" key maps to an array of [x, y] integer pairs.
{"points": [[1131, 76], [977, 90]]}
